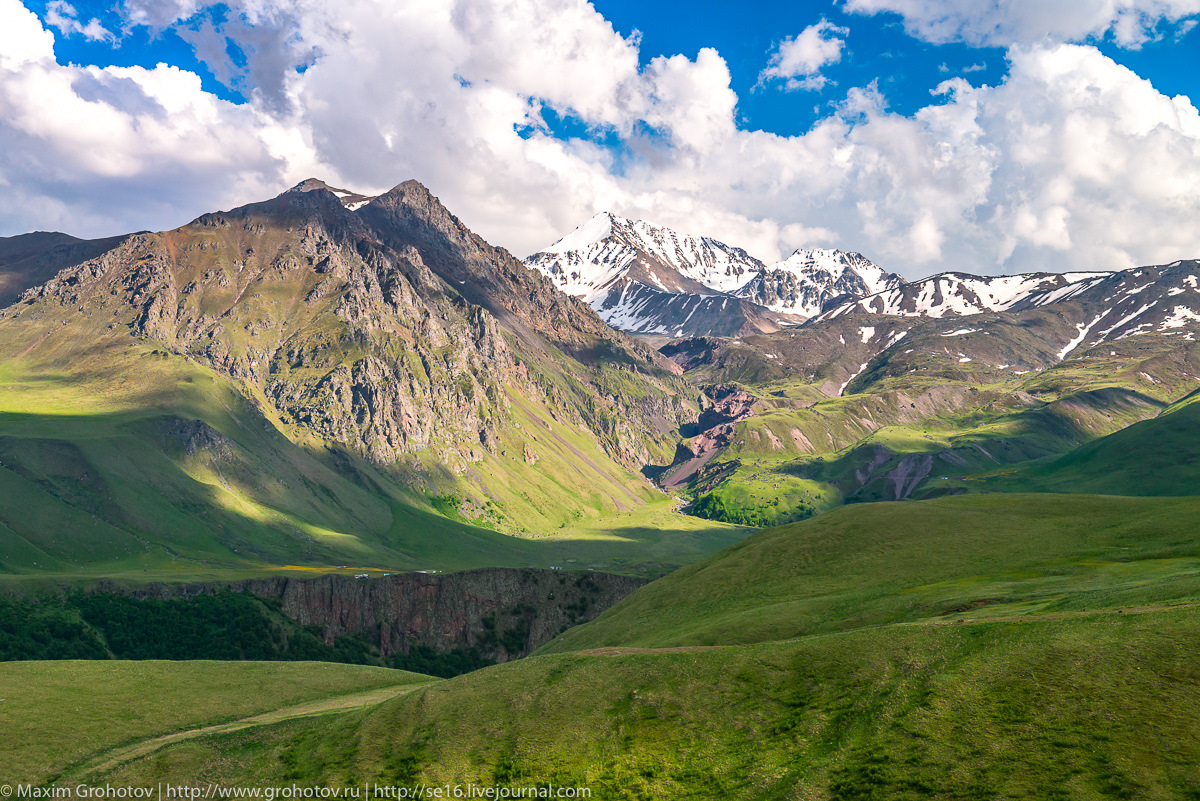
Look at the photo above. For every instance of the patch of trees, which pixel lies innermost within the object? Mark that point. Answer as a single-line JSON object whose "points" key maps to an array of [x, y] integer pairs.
{"points": [[423, 659], [45, 631], [714, 506], [226, 625]]}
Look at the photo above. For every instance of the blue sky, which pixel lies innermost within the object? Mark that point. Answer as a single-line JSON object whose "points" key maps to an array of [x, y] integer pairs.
{"points": [[877, 49], [927, 134]]}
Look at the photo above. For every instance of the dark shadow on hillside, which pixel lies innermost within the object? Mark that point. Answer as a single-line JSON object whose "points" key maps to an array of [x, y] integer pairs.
{"points": [[874, 472], [127, 500]]}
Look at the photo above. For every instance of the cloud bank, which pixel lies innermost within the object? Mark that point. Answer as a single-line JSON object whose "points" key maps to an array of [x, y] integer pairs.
{"points": [[1072, 162]]}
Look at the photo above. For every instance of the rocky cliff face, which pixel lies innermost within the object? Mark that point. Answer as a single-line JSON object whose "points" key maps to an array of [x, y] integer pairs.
{"points": [[503, 614]]}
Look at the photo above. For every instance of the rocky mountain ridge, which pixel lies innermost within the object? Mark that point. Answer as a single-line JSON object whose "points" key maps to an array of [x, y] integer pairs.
{"points": [[382, 325], [648, 279], [961, 294], [30, 259], [809, 281]]}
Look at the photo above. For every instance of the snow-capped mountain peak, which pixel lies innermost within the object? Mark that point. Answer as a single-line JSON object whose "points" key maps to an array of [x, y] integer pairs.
{"points": [[643, 277], [608, 249], [839, 265], [809, 280], [594, 230]]}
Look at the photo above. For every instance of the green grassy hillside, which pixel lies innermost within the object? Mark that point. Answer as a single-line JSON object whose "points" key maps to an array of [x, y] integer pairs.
{"points": [[975, 557], [1091, 707], [1160, 456], [1008, 646], [129, 462], [57, 714]]}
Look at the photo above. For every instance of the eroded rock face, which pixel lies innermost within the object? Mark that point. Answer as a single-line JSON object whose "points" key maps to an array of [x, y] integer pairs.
{"points": [[728, 405], [503, 613]]}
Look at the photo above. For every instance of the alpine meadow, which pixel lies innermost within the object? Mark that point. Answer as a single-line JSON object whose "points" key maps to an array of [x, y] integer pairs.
{"points": [[790, 401]]}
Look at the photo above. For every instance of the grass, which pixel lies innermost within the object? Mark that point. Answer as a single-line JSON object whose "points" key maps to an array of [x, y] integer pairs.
{"points": [[650, 540], [1160, 456], [118, 489], [875, 564], [55, 714], [1094, 707], [1007, 646]]}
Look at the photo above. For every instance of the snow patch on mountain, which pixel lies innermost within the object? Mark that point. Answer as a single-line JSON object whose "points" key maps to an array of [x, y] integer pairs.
{"points": [[1082, 329], [351, 200], [960, 294], [1180, 317]]}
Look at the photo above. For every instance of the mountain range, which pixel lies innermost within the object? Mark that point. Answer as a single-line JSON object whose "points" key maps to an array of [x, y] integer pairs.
{"points": [[311, 371], [307, 377], [647, 279]]}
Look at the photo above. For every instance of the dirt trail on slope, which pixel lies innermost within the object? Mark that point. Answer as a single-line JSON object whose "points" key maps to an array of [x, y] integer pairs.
{"points": [[620, 650], [1043, 617], [325, 706]]}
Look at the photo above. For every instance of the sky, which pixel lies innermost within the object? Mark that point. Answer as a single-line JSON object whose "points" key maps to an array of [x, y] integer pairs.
{"points": [[987, 136]]}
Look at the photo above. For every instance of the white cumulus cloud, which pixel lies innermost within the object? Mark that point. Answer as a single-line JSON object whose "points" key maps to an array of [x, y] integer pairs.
{"points": [[99, 151], [987, 22], [798, 60], [1072, 161]]}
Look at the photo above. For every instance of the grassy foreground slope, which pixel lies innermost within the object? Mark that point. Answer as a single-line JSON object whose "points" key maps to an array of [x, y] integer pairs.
{"points": [[872, 564], [55, 714], [1094, 707], [1001, 646]]}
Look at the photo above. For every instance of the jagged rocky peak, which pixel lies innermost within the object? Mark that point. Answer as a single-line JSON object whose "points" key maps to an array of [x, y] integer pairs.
{"points": [[412, 201], [524, 301], [608, 249], [811, 280], [349, 199]]}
